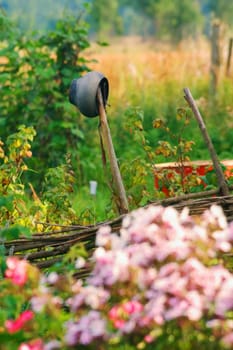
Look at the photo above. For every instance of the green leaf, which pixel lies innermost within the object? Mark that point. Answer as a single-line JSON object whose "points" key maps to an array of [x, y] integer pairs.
{"points": [[14, 232], [7, 202], [103, 43], [2, 260], [2, 121], [78, 133]]}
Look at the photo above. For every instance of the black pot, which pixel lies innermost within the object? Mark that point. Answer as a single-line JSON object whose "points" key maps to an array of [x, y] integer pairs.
{"points": [[83, 93]]}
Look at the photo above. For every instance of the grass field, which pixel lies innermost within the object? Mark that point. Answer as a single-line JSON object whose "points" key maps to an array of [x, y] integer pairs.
{"points": [[152, 76], [150, 65]]}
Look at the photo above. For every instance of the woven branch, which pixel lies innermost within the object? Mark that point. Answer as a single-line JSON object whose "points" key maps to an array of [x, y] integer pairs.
{"points": [[45, 249]]}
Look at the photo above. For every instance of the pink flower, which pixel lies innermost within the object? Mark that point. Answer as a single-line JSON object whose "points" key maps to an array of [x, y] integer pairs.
{"points": [[52, 345], [114, 315], [131, 307], [224, 298], [120, 314], [17, 270], [195, 305], [14, 326], [146, 277], [149, 338], [80, 262], [53, 278], [110, 267], [228, 339], [89, 328], [38, 302], [215, 216], [92, 296], [178, 308], [103, 236], [119, 323], [36, 344]]}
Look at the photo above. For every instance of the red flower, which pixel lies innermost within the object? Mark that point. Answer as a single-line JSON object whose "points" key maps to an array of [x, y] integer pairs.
{"points": [[36, 344], [119, 314], [14, 326], [17, 270]]}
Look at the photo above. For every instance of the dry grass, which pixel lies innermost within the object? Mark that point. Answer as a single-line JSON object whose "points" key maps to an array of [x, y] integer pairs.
{"points": [[132, 64]]}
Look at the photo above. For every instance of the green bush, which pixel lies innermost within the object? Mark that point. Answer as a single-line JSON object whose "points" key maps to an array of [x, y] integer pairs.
{"points": [[34, 88]]}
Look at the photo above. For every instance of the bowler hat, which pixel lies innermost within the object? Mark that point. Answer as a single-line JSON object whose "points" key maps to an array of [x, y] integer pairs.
{"points": [[83, 92]]}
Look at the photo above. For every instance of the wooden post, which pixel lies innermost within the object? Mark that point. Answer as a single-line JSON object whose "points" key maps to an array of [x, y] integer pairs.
{"points": [[122, 202], [229, 54], [215, 56], [223, 187]]}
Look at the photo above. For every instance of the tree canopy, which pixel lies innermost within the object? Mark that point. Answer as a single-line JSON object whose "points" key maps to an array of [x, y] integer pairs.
{"points": [[169, 19]]}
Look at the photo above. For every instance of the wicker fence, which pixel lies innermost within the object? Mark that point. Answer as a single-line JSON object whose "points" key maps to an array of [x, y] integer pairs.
{"points": [[45, 249]]}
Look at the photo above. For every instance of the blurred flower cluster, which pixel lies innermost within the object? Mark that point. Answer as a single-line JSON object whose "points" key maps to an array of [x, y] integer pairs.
{"points": [[162, 272]]}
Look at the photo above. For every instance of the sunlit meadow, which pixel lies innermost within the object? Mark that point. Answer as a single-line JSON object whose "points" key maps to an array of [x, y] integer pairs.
{"points": [[151, 76]]}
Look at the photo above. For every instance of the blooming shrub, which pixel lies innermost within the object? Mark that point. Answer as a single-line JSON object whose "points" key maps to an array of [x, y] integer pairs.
{"points": [[13, 326], [161, 280], [16, 271]]}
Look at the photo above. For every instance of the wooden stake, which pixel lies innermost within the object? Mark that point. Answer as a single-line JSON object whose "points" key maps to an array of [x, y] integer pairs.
{"points": [[122, 202], [215, 56], [223, 187], [229, 54]]}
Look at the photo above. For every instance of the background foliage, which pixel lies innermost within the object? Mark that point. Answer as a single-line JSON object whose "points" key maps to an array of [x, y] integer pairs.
{"points": [[164, 19], [38, 67]]}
